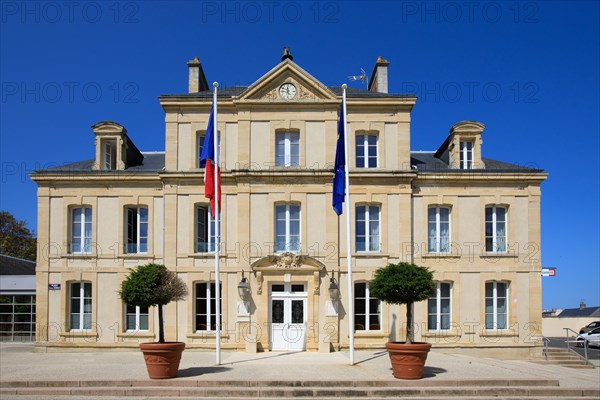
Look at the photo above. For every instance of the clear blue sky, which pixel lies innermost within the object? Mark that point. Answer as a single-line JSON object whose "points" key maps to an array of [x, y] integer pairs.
{"points": [[528, 70]]}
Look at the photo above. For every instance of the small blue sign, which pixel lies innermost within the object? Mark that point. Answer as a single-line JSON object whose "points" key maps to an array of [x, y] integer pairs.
{"points": [[54, 286]]}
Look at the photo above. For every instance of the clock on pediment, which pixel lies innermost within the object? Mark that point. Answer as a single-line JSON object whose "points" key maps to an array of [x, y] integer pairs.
{"points": [[287, 91]]}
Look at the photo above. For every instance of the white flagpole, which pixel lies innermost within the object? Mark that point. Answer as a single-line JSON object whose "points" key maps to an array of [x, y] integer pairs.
{"points": [[348, 237], [217, 233]]}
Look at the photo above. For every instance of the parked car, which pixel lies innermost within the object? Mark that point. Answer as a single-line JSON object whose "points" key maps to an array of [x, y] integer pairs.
{"points": [[593, 336], [590, 326]]}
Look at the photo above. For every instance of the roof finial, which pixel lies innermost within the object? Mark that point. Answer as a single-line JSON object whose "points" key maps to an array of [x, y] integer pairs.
{"points": [[287, 54]]}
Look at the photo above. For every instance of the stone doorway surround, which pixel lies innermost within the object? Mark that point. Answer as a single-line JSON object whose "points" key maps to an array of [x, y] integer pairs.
{"points": [[288, 268]]}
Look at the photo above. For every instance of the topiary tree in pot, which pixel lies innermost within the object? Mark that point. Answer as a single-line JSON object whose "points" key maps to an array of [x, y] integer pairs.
{"points": [[404, 283], [154, 285]]}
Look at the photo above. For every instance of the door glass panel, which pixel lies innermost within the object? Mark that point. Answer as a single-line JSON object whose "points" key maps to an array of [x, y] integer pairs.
{"points": [[297, 288], [278, 288], [277, 311], [297, 311]]}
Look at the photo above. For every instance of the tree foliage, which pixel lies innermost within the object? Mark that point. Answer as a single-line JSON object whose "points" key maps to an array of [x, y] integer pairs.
{"points": [[16, 240], [153, 285], [403, 283]]}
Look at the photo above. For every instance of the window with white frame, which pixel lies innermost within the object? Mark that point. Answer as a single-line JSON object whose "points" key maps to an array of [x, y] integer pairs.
{"points": [[496, 305], [201, 143], [287, 227], [109, 154], [287, 149], [439, 307], [205, 230], [80, 306], [136, 240], [366, 151], [438, 221], [466, 154], [81, 230], [136, 318], [367, 228], [205, 317], [495, 229], [367, 309]]}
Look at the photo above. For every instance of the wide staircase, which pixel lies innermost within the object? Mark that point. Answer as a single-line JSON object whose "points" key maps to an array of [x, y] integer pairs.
{"points": [[564, 358], [476, 389]]}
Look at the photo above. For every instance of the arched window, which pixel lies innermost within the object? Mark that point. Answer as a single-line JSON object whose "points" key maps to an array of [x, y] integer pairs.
{"points": [[495, 229], [81, 230], [136, 229], [287, 149], [368, 228], [205, 230], [287, 227], [366, 151], [496, 305], [205, 312], [367, 309], [439, 307], [438, 227], [80, 306]]}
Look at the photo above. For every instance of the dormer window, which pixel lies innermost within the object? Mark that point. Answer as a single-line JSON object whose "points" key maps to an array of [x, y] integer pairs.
{"points": [[109, 155], [462, 148], [114, 149], [466, 154]]}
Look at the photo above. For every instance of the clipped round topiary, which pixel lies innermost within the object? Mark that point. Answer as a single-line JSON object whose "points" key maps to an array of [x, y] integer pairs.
{"points": [[153, 285], [403, 283]]}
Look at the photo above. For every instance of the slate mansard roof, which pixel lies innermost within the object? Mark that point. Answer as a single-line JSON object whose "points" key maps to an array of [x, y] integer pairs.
{"points": [[235, 91], [425, 162], [420, 162]]}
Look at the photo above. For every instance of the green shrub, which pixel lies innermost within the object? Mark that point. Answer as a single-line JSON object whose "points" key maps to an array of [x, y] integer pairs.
{"points": [[153, 285], [403, 283]]}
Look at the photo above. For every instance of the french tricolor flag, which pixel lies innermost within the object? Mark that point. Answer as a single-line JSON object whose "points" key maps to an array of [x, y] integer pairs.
{"points": [[208, 159]]}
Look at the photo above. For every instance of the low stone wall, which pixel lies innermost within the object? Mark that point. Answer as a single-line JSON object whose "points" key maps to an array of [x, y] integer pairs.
{"points": [[553, 326]]}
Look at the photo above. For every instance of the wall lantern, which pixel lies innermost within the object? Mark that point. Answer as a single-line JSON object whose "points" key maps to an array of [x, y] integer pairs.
{"points": [[243, 288], [334, 290]]}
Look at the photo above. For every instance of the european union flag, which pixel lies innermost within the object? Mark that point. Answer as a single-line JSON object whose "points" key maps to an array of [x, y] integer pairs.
{"points": [[339, 179]]}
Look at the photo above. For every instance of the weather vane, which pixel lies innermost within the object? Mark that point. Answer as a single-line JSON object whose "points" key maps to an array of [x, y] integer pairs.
{"points": [[362, 77]]}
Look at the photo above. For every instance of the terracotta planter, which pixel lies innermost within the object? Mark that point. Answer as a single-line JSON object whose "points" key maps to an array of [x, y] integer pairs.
{"points": [[162, 359], [408, 360]]}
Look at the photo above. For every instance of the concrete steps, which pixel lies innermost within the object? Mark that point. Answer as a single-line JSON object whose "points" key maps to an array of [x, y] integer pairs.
{"points": [[564, 358], [310, 389]]}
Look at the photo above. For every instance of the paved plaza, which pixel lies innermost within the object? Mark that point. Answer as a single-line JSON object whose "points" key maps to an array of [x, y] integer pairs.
{"points": [[19, 362]]}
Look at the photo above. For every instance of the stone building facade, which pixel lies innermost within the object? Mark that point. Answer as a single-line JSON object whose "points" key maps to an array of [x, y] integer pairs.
{"points": [[474, 221]]}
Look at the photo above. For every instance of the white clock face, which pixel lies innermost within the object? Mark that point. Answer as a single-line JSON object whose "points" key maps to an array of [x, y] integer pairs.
{"points": [[287, 91]]}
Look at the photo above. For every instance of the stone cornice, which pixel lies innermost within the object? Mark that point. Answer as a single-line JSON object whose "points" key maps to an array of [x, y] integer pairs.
{"points": [[478, 177]]}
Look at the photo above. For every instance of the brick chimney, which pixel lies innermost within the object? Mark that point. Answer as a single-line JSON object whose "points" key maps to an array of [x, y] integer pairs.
{"points": [[379, 77], [197, 80]]}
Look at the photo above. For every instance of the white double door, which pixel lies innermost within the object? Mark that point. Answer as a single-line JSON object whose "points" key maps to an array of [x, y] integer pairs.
{"points": [[287, 315]]}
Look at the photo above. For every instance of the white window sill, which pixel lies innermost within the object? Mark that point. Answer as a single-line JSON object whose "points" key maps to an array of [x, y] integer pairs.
{"points": [[371, 334], [442, 333], [440, 255], [79, 334], [498, 333], [207, 334], [499, 255], [367, 254], [136, 334]]}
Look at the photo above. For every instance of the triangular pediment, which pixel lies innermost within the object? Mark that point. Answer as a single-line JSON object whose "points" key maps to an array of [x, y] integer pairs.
{"points": [[307, 88]]}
